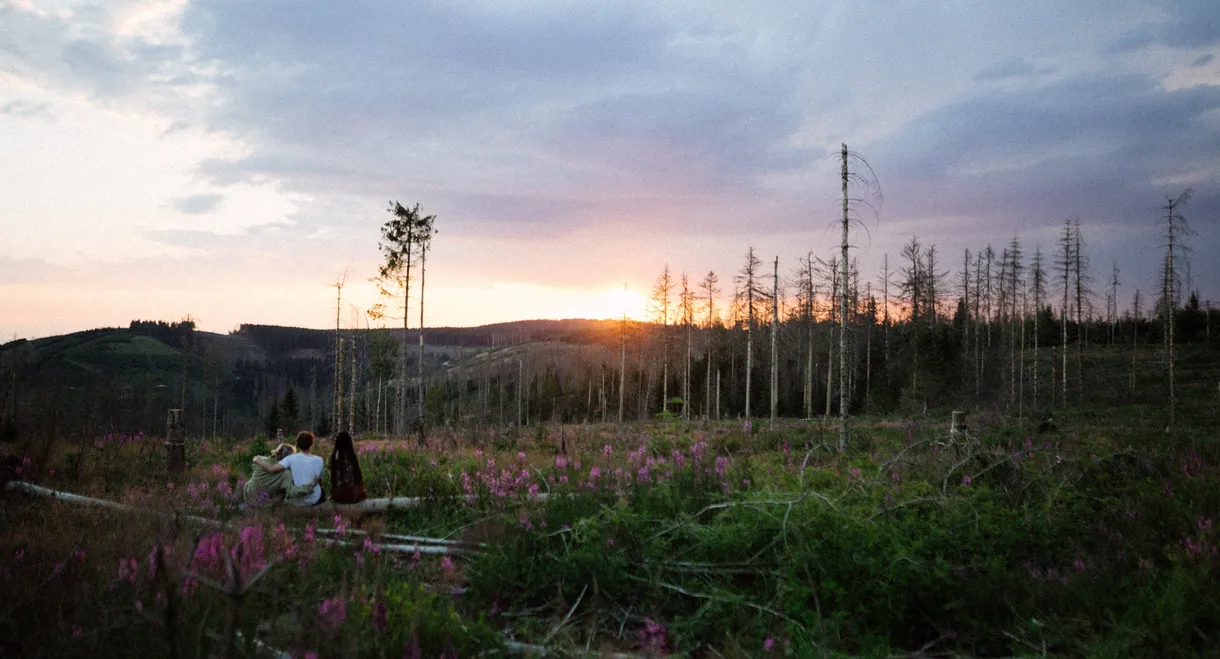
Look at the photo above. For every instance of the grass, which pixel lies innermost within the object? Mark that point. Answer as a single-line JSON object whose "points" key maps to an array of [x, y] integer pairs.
{"points": [[701, 540]]}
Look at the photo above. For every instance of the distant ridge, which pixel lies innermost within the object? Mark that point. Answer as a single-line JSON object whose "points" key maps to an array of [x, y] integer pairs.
{"points": [[573, 330]]}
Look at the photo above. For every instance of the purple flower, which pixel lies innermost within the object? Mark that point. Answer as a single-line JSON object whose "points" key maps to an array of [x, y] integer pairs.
{"points": [[332, 613], [768, 644], [653, 634], [128, 567], [447, 565]]}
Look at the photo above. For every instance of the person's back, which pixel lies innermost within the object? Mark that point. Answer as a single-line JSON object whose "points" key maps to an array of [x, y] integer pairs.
{"points": [[265, 487], [306, 468]]}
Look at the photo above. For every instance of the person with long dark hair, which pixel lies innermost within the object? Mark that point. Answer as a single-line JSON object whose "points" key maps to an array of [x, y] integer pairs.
{"points": [[346, 479]]}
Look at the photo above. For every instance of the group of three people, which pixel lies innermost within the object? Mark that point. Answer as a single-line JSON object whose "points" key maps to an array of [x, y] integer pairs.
{"points": [[295, 474]]}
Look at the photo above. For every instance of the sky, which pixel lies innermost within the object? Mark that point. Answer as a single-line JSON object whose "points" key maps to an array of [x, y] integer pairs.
{"points": [[231, 161]]}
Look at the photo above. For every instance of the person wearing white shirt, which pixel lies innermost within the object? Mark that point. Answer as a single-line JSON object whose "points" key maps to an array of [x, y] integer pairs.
{"points": [[306, 469]]}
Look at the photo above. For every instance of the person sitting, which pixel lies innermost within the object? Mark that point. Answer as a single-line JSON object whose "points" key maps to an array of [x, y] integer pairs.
{"points": [[306, 469], [346, 480], [267, 488]]}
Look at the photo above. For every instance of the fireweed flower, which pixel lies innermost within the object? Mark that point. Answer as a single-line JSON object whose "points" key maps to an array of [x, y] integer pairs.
{"points": [[722, 465], [447, 565], [653, 634], [332, 613], [128, 567]]}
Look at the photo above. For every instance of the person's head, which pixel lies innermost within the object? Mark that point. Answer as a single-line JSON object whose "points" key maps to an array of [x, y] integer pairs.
{"points": [[343, 442], [304, 441], [283, 450]]}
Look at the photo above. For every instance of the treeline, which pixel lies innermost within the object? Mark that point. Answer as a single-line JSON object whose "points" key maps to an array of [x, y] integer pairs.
{"points": [[1006, 331], [179, 334]]}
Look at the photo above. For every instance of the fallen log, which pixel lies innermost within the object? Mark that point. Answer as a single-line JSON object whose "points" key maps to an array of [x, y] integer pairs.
{"points": [[419, 544], [68, 497]]}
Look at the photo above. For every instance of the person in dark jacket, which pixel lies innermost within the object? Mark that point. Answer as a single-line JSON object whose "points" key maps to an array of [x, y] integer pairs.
{"points": [[346, 480]]}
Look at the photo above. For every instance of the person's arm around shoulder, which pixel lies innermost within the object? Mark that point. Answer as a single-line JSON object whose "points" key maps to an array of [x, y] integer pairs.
{"points": [[271, 466]]}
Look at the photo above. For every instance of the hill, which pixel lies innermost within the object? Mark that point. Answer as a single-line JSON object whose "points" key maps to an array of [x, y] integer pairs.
{"points": [[124, 379]]}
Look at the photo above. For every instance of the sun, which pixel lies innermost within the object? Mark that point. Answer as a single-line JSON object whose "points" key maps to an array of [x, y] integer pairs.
{"points": [[611, 304]]}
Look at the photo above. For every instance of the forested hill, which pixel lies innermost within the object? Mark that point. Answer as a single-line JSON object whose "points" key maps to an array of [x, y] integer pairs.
{"points": [[280, 341], [96, 380]]}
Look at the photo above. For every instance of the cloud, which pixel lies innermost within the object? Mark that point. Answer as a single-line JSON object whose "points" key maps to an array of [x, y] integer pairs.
{"points": [[17, 271], [26, 110], [1013, 68], [1188, 24], [632, 133], [199, 204]]}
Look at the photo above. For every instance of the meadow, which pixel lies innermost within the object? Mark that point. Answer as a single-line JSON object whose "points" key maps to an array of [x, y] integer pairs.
{"points": [[726, 539]]}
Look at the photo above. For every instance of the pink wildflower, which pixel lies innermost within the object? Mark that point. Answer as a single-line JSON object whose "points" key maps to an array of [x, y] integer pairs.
{"points": [[332, 613], [447, 565], [128, 567]]}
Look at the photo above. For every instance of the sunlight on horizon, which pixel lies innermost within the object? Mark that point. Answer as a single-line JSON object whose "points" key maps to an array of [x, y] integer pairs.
{"points": [[611, 304]]}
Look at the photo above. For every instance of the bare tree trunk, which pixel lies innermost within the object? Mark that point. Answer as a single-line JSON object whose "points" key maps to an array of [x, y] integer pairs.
{"points": [[774, 344], [830, 361], [1021, 389], [351, 407], [843, 432], [622, 361], [686, 379], [423, 388], [337, 390]]}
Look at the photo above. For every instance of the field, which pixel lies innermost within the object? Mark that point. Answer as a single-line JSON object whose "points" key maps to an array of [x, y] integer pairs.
{"points": [[706, 540]]}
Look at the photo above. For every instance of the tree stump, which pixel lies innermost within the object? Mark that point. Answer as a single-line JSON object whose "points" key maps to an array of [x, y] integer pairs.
{"points": [[175, 442]]}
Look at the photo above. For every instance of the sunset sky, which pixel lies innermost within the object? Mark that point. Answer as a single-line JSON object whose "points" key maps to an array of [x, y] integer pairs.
{"points": [[230, 159]]}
